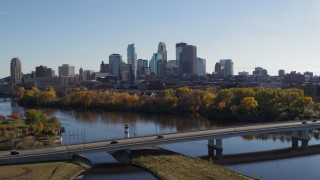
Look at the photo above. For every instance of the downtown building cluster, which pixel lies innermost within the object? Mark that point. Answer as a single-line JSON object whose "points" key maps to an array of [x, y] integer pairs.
{"points": [[158, 72], [120, 73]]}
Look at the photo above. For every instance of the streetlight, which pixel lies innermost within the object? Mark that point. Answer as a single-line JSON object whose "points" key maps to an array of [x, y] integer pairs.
{"points": [[84, 138]]}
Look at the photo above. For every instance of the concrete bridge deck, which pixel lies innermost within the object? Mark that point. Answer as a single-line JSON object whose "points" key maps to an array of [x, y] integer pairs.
{"points": [[68, 151]]}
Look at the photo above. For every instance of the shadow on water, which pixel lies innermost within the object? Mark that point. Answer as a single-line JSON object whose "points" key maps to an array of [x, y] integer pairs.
{"points": [[106, 167]]}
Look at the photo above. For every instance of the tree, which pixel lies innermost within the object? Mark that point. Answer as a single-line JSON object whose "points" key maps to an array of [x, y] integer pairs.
{"points": [[32, 116], [40, 127], [248, 104], [55, 122], [14, 135], [4, 133]]}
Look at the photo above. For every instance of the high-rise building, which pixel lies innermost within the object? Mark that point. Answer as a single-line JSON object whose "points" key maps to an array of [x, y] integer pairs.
{"points": [[172, 68], [66, 70], [115, 61], [88, 75], [141, 64], [43, 71], [281, 73], [126, 72], [15, 70], [178, 52], [162, 49], [104, 68], [201, 67], [163, 63], [80, 74], [155, 63], [217, 69], [226, 67], [132, 57], [188, 61]]}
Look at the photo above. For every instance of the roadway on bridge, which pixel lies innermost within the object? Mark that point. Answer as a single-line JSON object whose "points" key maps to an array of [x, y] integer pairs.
{"points": [[154, 140]]}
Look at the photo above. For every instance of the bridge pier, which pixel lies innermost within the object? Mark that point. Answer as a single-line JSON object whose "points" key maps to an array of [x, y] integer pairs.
{"points": [[215, 148], [303, 137]]}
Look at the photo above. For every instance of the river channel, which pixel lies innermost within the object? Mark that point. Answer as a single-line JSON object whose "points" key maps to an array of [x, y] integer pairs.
{"points": [[87, 126]]}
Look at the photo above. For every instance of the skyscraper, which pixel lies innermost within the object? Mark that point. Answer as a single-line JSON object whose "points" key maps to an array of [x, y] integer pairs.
{"points": [[104, 68], [43, 71], [15, 70], [115, 61], [201, 67], [141, 64], [162, 65], [178, 51], [66, 70], [163, 50], [132, 57], [155, 63], [188, 61], [226, 67], [217, 69]]}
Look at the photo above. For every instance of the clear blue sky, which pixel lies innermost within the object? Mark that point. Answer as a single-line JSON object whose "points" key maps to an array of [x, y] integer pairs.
{"points": [[273, 34]]}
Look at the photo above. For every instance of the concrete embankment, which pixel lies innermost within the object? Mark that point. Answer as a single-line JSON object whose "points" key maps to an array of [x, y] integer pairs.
{"points": [[266, 155]]}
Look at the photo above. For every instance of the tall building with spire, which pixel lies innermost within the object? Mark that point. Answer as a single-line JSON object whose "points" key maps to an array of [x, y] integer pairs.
{"points": [[162, 65], [132, 58], [15, 70]]}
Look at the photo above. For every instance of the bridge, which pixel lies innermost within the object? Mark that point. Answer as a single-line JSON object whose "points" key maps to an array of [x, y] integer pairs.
{"points": [[299, 132], [6, 91]]}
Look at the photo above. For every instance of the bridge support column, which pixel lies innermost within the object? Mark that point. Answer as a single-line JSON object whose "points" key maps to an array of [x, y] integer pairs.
{"points": [[211, 149], [305, 139], [295, 143], [215, 148]]}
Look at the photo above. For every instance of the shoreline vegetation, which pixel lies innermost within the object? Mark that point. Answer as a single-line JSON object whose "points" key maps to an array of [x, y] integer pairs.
{"points": [[226, 105], [167, 165], [35, 130]]}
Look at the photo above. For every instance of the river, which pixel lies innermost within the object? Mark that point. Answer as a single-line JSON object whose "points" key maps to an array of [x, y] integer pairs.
{"points": [[85, 126]]}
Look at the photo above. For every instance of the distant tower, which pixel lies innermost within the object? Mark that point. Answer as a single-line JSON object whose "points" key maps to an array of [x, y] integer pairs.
{"points": [[162, 65], [81, 74], [188, 61], [162, 49], [178, 51], [66, 70], [226, 67], [217, 69], [132, 58], [281, 73], [15, 70], [115, 61], [201, 67]]}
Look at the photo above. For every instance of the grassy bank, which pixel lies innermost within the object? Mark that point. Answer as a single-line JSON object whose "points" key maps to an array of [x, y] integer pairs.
{"points": [[167, 165], [50, 170]]}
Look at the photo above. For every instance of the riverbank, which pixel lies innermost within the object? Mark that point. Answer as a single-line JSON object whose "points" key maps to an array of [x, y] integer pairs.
{"points": [[168, 165], [48, 170]]}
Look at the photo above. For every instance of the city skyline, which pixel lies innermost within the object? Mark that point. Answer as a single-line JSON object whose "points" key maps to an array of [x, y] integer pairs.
{"points": [[273, 35]]}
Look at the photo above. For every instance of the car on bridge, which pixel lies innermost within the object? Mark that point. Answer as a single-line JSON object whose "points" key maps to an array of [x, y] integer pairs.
{"points": [[114, 142], [14, 152]]}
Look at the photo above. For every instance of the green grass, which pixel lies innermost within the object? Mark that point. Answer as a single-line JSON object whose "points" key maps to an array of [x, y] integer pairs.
{"points": [[166, 165], [50, 170]]}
